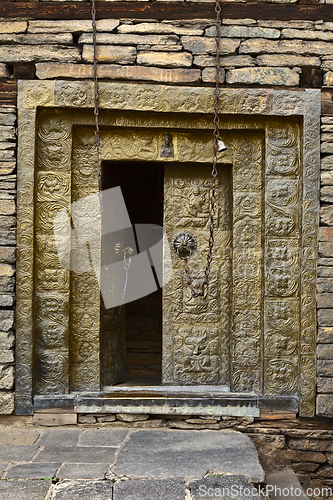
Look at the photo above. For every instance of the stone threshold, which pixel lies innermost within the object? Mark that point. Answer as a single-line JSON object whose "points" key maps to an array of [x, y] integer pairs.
{"points": [[157, 400]]}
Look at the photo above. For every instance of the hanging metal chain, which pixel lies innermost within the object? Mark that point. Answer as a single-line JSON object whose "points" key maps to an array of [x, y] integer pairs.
{"points": [[96, 110], [212, 200]]}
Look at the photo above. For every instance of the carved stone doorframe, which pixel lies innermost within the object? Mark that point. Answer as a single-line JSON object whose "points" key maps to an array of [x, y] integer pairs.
{"points": [[288, 197]]}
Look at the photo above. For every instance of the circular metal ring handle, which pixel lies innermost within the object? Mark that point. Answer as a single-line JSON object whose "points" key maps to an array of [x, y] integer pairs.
{"points": [[184, 245]]}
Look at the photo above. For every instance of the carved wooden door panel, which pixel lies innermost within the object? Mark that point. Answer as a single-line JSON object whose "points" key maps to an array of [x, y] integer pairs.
{"points": [[196, 331]]}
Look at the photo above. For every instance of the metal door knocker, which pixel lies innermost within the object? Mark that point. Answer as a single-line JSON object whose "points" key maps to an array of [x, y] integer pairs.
{"points": [[184, 245]]}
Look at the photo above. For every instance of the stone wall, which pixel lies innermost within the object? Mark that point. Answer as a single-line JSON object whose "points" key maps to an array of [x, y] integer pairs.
{"points": [[7, 254], [289, 54]]}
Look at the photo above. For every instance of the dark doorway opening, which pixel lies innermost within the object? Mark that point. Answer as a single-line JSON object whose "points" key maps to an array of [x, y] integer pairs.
{"points": [[142, 188]]}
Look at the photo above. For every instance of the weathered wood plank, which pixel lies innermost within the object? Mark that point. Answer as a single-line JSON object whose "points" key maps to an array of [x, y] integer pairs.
{"points": [[327, 102], [8, 92], [163, 10]]}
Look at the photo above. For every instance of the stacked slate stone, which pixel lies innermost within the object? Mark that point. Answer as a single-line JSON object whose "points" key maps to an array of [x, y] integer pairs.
{"points": [[7, 254], [325, 274]]}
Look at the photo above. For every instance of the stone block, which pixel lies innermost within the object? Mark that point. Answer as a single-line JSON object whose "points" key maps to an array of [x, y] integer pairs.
{"points": [[325, 351], [244, 32], [7, 167], [325, 285], [325, 300], [4, 73], [222, 487], [7, 119], [38, 39], [314, 444], [326, 137], [6, 377], [76, 455], [325, 234], [164, 42], [198, 45], [180, 424], [150, 489], [53, 437], [71, 26], [225, 62], [263, 76], [7, 408], [13, 26], [298, 24], [325, 317], [160, 29], [325, 385], [326, 215], [325, 272], [208, 75], [310, 434], [6, 356], [326, 147], [196, 454], [106, 418], [6, 300], [131, 417], [287, 60], [273, 441], [7, 255], [38, 53], [86, 419], [33, 471], [324, 368], [307, 34], [6, 155], [326, 193], [292, 47], [325, 335], [6, 320], [326, 250], [325, 471], [112, 54], [305, 467], [82, 490], [7, 206], [82, 471], [239, 22], [326, 178], [325, 261], [327, 82], [104, 437], [115, 72], [329, 458], [27, 490], [165, 59], [7, 340], [306, 456]]}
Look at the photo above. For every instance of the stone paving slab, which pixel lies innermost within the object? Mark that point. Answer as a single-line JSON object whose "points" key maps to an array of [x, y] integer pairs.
{"points": [[33, 471], [19, 436], [10, 453], [285, 480], [102, 437], [24, 490], [82, 471], [59, 437], [2, 467], [82, 490], [224, 487], [188, 454], [150, 489], [70, 454]]}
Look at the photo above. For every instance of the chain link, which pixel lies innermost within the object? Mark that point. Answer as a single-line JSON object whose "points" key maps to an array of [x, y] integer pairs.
{"points": [[96, 110], [212, 200], [216, 133]]}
